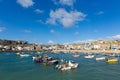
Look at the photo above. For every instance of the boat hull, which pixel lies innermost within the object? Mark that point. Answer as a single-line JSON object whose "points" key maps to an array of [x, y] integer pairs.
{"points": [[112, 60]]}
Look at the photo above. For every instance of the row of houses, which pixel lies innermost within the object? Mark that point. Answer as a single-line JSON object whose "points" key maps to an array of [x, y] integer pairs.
{"points": [[95, 45], [7, 47], [18, 45], [20, 48]]}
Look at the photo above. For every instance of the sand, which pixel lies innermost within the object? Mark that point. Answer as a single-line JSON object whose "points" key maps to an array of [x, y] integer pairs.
{"points": [[88, 51]]}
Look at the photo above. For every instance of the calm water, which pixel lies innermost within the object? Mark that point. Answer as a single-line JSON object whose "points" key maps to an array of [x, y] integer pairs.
{"points": [[16, 68]]}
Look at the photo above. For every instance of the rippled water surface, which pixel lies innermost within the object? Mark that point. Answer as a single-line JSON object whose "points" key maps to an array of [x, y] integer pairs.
{"points": [[17, 68]]}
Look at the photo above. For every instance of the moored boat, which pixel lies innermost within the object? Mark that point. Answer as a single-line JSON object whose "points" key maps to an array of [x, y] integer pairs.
{"points": [[36, 57], [112, 60], [100, 58], [17, 54], [89, 56], [72, 65], [63, 67], [22, 55], [53, 62], [67, 66], [76, 55]]}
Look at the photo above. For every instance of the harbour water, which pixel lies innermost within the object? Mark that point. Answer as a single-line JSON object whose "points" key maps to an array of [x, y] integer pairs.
{"points": [[24, 68]]}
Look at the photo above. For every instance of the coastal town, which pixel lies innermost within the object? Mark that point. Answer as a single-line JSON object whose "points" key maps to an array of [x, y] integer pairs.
{"points": [[59, 40], [93, 46]]}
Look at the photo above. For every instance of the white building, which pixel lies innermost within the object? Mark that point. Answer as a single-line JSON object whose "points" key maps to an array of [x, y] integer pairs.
{"points": [[28, 48], [19, 48], [7, 47], [96, 46], [70, 47]]}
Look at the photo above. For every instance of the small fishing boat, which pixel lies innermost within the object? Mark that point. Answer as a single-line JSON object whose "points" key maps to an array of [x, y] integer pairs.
{"points": [[17, 54], [22, 55], [76, 55], [63, 67], [89, 56], [67, 66], [112, 60], [36, 57], [38, 52], [100, 58], [72, 65], [46, 58], [53, 62]]}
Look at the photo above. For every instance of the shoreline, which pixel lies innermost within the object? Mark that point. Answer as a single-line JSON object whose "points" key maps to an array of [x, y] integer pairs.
{"points": [[88, 51], [23, 51], [69, 51]]}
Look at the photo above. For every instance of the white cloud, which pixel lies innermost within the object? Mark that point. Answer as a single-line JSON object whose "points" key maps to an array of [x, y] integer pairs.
{"points": [[52, 31], [65, 2], [27, 31], [26, 3], [100, 13], [38, 11], [80, 41], [2, 29], [116, 37], [50, 42], [76, 33], [84, 41], [65, 18]]}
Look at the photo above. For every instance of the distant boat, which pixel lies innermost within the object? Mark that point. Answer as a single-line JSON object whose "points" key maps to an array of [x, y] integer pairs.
{"points": [[63, 67], [22, 55], [17, 54], [38, 53], [100, 58], [72, 65], [76, 55], [36, 57], [89, 56], [112, 60], [67, 66], [53, 62]]}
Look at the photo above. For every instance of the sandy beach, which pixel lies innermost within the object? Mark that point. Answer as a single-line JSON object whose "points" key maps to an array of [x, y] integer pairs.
{"points": [[88, 51]]}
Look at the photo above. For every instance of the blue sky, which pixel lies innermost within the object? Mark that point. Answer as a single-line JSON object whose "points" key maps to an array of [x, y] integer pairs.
{"points": [[59, 21]]}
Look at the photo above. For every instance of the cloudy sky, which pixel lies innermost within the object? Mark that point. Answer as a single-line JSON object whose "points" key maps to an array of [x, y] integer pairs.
{"points": [[59, 21]]}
